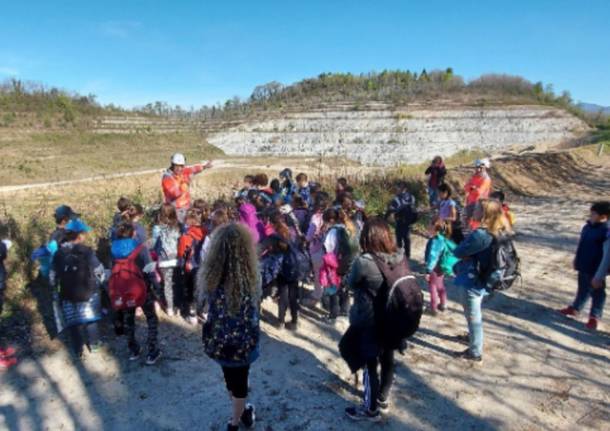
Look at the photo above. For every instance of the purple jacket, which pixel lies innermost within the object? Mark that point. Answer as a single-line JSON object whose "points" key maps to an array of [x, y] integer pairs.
{"points": [[247, 216]]}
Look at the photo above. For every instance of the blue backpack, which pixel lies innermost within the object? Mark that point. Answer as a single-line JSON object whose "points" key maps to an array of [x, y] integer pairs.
{"points": [[295, 265]]}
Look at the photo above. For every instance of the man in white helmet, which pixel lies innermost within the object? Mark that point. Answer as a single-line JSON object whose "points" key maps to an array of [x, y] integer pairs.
{"points": [[477, 188], [177, 180]]}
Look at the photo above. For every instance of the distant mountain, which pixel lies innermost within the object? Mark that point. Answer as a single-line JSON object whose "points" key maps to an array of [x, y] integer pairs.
{"points": [[593, 108]]}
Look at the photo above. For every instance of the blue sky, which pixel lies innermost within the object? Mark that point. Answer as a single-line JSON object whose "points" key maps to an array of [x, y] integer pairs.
{"points": [[200, 52]]}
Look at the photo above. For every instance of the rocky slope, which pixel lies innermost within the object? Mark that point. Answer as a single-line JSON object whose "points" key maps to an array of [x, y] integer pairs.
{"points": [[385, 136]]}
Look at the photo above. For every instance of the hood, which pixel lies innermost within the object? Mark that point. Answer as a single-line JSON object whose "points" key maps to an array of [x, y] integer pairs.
{"points": [[392, 259], [122, 248], [247, 214]]}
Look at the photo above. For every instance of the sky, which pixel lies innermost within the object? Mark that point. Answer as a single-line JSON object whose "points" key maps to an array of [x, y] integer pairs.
{"points": [[192, 53]]}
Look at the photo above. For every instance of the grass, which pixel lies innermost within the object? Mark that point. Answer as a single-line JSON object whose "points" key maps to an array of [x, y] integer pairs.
{"points": [[29, 157]]}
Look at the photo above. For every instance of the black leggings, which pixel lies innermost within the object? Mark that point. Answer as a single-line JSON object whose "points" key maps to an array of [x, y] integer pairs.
{"points": [[403, 238], [85, 334], [236, 379], [374, 390], [288, 296]]}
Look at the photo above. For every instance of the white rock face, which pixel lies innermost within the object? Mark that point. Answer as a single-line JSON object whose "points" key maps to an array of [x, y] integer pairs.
{"points": [[387, 137]]}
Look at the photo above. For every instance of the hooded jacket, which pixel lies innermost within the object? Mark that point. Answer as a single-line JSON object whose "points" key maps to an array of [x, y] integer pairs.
{"points": [[248, 217]]}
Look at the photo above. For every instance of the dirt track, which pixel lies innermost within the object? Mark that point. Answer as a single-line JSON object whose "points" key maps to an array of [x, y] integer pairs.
{"points": [[541, 371]]}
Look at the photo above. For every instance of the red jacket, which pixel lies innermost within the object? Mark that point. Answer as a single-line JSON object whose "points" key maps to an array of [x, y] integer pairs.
{"points": [[478, 187], [176, 187]]}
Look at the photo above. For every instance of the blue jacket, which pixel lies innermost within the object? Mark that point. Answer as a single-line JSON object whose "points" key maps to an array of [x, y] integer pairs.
{"points": [[590, 247], [475, 252]]}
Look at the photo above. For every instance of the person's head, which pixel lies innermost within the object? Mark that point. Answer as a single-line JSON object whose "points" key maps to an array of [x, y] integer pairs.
{"points": [[400, 186], [437, 161], [168, 216], [347, 203], [63, 214], [261, 180], [177, 163], [76, 231], [278, 221], [600, 212], [377, 237], [341, 184], [123, 204], [481, 165], [220, 204], [219, 217], [125, 230], [444, 191], [204, 209], [286, 174], [275, 185], [302, 180], [498, 195], [437, 225], [298, 202], [330, 216], [193, 217], [489, 213], [231, 264], [322, 202], [248, 181]]}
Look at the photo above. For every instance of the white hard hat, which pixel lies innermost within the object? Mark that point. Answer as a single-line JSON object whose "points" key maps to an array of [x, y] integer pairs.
{"points": [[482, 162], [178, 159]]}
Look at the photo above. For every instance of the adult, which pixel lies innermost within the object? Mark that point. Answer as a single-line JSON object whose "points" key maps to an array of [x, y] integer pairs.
{"points": [[362, 338], [176, 183], [475, 253], [436, 176], [478, 187], [229, 281]]}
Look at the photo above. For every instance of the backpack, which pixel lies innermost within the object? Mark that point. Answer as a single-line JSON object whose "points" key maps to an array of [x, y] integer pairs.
{"points": [[127, 287], [227, 338], [406, 212], [192, 254], [346, 250], [504, 265], [398, 305], [166, 245], [448, 259], [77, 281], [295, 265]]}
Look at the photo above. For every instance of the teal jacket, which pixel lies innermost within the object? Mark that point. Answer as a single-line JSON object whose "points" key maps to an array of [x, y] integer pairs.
{"points": [[434, 250]]}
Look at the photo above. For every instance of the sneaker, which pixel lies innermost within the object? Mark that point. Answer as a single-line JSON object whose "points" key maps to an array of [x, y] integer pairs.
{"points": [[383, 405], [293, 326], [135, 353], [281, 326], [153, 357], [592, 323], [569, 311], [171, 312], [232, 427], [361, 413], [6, 363], [462, 338], [469, 356], [442, 307], [8, 352], [248, 417]]}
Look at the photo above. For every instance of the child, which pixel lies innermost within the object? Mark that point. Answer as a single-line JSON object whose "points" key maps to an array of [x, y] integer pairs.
{"points": [[75, 276], [248, 184], [165, 236], [303, 188], [438, 245], [126, 246], [436, 176], [315, 238], [123, 206], [300, 211], [136, 213], [287, 185], [588, 258], [448, 211], [508, 214], [403, 208], [189, 251], [5, 245], [248, 217], [231, 335]]}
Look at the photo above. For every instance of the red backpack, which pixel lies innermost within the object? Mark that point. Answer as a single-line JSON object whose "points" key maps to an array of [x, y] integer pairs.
{"points": [[127, 287]]}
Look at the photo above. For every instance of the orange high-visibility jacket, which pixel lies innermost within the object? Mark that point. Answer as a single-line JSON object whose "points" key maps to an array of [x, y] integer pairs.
{"points": [[176, 187], [478, 187]]}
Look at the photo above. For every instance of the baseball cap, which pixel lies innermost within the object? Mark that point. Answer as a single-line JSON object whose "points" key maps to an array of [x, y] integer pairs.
{"points": [[78, 226], [64, 211]]}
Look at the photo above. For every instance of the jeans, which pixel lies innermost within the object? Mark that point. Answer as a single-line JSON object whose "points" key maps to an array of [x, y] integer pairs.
{"points": [[288, 296], [374, 388], [338, 304], [316, 263], [403, 238], [437, 290], [433, 195], [471, 300], [598, 296], [85, 334], [152, 322]]}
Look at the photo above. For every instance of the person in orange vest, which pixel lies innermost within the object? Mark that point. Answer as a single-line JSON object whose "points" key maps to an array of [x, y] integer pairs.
{"points": [[477, 188], [176, 183]]}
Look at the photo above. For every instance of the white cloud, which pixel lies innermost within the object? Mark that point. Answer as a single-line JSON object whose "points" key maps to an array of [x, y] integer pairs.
{"points": [[8, 71], [119, 29]]}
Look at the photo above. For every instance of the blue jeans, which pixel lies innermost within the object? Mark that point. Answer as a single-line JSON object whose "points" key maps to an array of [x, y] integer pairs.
{"points": [[471, 300], [433, 195], [598, 296]]}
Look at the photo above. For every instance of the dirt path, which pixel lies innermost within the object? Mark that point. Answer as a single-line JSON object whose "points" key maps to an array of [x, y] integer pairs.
{"points": [[541, 371]]}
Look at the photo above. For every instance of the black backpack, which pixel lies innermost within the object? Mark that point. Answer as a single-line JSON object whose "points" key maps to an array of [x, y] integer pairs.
{"points": [[398, 305], [295, 264], [504, 265], [406, 212], [77, 282], [345, 251]]}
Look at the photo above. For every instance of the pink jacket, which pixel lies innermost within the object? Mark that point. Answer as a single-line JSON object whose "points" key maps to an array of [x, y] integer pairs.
{"points": [[328, 271]]}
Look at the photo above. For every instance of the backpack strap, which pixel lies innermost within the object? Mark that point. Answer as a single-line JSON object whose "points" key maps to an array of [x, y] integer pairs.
{"points": [[135, 253], [381, 266]]}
